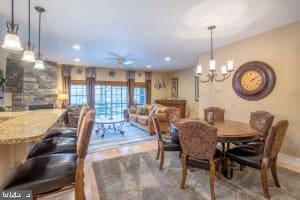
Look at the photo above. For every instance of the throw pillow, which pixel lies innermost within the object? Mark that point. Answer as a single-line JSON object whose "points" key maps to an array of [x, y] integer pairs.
{"points": [[132, 110], [142, 111]]}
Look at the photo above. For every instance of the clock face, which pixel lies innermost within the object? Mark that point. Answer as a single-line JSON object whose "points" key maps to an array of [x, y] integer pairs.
{"points": [[251, 80]]}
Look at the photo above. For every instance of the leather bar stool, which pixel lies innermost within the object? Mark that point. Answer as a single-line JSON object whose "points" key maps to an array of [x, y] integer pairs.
{"points": [[68, 131], [61, 143], [49, 174]]}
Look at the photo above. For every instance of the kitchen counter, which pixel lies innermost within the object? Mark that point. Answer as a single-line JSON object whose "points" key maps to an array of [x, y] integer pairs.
{"points": [[27, 126]]}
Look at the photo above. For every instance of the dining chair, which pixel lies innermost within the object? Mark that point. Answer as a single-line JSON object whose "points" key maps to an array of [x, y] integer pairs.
{"points": [[163, 143], [49, 174], [68, 131], [219, 113], [63, 142], [261, 121], [173, 116], [263, 156], [198, 141]]}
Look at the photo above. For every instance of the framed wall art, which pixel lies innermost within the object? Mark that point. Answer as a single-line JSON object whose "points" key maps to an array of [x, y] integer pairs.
{"points": [[174, 88]]}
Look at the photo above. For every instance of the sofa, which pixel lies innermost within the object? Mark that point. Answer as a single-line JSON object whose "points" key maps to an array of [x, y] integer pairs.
{"points": [[140, 116]]}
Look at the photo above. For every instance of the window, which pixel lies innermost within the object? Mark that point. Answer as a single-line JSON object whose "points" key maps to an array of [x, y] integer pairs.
{"points": [[78, 94], [110, 101], [139, 95]]}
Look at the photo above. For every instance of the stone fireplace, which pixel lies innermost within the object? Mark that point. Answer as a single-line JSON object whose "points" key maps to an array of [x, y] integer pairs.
{"points": [[31, 87]]}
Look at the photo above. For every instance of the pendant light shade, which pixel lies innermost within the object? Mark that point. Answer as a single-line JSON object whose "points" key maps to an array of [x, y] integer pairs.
{"points": [[11, 38], [12, 42], [28, 54], [39, 63]]}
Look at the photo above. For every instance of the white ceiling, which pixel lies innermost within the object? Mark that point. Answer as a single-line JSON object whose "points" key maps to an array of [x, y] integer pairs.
{"points": [[148, 30]]}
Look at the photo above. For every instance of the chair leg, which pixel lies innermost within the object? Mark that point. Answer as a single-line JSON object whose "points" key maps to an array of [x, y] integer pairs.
{"points": [[274, 172], [220, 172], [184, 170], [212, 171], [158, 151], [264, 178], [162, 156]]}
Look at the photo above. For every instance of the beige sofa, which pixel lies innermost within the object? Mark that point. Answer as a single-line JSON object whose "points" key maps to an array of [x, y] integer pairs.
{"points": [[143, 120]]}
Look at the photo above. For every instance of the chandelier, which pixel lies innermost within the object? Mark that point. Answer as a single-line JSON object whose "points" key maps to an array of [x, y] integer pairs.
{"points": [[212, 74]]}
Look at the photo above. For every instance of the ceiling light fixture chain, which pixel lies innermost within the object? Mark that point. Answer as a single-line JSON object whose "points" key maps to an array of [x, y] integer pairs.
{"points": [[212, 75], [39, 64]]}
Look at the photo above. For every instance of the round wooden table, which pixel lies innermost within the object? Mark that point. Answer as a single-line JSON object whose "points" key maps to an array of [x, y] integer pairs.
{"points": [[231, 131]]}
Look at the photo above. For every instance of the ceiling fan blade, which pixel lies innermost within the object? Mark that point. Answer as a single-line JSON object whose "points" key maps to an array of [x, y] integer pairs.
{"points": [[115, 55]]}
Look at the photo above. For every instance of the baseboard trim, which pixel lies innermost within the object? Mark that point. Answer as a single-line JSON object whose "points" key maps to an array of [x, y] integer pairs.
{"points": [[289, 162]]}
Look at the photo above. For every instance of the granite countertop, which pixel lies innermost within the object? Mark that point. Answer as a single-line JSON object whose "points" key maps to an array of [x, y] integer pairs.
{"points": [[27, 126]]}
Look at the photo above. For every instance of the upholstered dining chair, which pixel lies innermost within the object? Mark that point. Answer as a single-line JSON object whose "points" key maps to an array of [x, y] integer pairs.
{"points": [[49, 174], [62, 142], [198, 141], [173, 116], [262, 157], [163, 143], [219, 113], [262, 122], [68, 131]]}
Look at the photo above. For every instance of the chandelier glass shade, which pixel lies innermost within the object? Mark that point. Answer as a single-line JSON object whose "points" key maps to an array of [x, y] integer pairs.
{"points": [[28, 54], [212, 74], [11, 38]]}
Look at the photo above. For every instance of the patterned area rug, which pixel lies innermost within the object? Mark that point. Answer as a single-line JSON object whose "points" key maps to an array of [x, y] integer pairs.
{"points": [[113, 139], [136, 177]]}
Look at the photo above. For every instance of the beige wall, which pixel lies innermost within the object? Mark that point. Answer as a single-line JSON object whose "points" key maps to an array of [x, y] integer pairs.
{"points": [[186, 88], [280, 48]]}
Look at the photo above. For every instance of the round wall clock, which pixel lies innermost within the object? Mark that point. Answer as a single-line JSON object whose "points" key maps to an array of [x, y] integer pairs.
{"points": [[254, 80]]}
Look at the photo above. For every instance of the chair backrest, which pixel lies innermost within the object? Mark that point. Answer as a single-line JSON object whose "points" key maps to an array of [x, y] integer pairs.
{"points": [[85, 134], [197, 139], [218, 113], [156, 126], [173, 114], [261, 121], [84, 110], [275, 138]]}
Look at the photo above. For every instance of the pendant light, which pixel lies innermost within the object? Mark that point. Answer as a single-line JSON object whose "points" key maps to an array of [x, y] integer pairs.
{"points": [[39, 63], [11, 39], [28, 54]]}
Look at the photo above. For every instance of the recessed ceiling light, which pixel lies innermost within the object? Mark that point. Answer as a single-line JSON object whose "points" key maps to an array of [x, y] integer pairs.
{"points": [[76, 47], [168, 58], [148, 66], [77, 59]]}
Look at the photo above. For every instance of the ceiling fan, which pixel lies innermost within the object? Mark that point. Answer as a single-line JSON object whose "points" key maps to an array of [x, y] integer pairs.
{"points": [[121, 60]]}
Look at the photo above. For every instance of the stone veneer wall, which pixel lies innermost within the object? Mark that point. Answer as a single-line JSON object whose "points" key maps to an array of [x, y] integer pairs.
{"points": [[30, 86]]}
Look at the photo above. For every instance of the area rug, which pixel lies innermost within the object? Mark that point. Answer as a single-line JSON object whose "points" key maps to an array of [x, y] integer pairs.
{"points": [[112, 139], [136, 177]]}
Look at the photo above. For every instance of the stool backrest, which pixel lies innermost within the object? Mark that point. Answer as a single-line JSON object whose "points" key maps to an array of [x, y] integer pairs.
{"points": [[84, 110], [85, 134]]}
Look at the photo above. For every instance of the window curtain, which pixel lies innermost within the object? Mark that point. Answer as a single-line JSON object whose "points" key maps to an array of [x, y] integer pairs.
{"points": [[66, 81], [130, 85], [90, 76], [148, 83]]}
